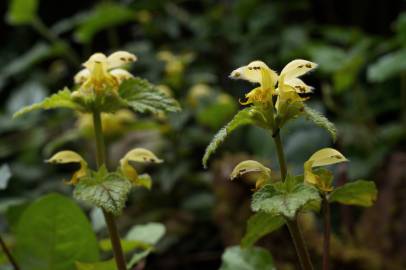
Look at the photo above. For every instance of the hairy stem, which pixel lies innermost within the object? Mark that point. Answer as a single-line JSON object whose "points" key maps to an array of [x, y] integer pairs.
{"points": [[326, 232], [293, 226], [8, 254], [110, 221]]}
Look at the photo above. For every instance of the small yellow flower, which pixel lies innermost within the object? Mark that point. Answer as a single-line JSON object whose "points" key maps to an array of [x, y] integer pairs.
{"points": [[257, 72], [292, 71], [251, 166], [288, 80], [102, 72], [64, 157], [137, 155], [323, 157]]}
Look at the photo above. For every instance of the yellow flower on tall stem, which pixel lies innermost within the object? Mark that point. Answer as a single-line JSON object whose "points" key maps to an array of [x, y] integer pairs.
{"points": [[102, 72]]}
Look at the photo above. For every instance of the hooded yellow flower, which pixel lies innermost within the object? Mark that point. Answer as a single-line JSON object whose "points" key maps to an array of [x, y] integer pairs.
{"points": [[136, 155], [103, 72], [323, 157], [288, 80], [257, 72], [263, 173], [64, 157]]}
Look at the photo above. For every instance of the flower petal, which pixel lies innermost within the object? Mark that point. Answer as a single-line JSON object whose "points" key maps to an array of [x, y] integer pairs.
{"points": [[137, 155], [66, 156], [252, 166], [121, 74], [71, 157], [297, 68], [82, 76], [120, 58], [97, 58], [326, 156], [299, 85], [252, 72], [141, 155]]}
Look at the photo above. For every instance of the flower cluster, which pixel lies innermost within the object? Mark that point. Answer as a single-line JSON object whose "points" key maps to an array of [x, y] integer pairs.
{"points": [[286, 86], [102, 72]]}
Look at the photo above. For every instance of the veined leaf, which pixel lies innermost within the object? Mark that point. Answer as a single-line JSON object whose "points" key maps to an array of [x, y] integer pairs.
{"points": [[254, 258], [149, 234], [106, 190], [320, 120], [22, 11], [243, 117], [360, 192], [62, 99], [52, 234], [283, 199], [259, 225], [142, 97]]}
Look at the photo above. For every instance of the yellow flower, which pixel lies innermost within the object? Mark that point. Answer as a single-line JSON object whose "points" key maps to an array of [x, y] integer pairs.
{"points": [[63, 157], [323, 157], [102, 72], [288, 80], [292, 71], [257, 72], [137, 155], [251, 166]]}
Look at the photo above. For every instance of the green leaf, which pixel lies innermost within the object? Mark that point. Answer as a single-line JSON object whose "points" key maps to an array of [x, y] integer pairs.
{"points": [[284, 199], [259, 225], [243, 117], [254, 258], [5, 175], [143, 96], [104, 16], [62, 99], [387, 66], [360, 192], [137, 257], [106, 190], [149, 233], [107, 265], [22, 11], [53, 233], [321, 121]]}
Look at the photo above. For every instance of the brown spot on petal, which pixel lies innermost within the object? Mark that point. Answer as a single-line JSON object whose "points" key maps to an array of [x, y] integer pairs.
{"points": [[300, 66], [308, 65]]}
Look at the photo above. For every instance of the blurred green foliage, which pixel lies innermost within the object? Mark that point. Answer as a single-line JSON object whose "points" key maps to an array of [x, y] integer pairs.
{"points": [[188, 45]]}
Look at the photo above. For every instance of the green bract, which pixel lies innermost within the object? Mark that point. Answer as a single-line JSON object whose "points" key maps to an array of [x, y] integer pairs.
{"points": [[284, 198], [108, 190]]}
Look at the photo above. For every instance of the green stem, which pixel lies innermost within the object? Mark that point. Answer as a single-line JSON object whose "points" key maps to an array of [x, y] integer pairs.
{"points": [[326, 232], [8, 254], [293, 226], [281, 155], [110, 221], [298, 241]]}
